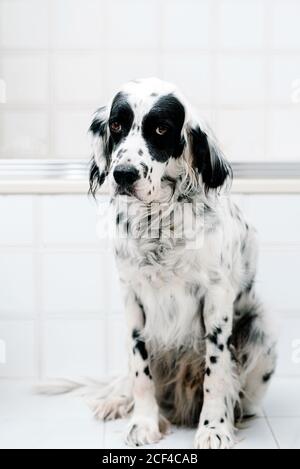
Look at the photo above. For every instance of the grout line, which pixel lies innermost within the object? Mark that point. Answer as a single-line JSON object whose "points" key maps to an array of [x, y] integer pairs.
{"points": [[239, 52], [271, 430], [39, 284]]}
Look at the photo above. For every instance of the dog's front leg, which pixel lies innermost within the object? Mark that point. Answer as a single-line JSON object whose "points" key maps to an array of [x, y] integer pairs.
{"points": [[216, 426], [145, 426]]}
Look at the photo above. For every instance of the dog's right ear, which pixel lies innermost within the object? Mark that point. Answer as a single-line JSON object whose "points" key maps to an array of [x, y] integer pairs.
{"points": [[100, 141]]}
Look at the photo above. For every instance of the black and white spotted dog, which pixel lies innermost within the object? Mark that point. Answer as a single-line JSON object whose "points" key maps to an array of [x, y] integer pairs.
{"points": [[200, 349]]}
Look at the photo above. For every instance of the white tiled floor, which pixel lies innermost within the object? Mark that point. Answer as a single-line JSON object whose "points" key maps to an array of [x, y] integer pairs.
{"points": [[30, 421]]}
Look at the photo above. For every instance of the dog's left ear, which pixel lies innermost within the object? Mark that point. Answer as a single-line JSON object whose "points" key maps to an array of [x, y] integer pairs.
{"points": [[207, 159], [100, 142]]}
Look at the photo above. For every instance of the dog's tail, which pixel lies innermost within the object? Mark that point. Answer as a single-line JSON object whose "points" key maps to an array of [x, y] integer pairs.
{"points": [[87, 388]]}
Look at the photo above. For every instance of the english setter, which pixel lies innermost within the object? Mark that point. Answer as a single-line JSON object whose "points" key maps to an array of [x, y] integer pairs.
{"points": [[200, 348]]}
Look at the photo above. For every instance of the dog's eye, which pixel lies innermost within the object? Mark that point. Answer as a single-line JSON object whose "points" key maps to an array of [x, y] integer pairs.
{"points": [[161, 130], [116, 127]]}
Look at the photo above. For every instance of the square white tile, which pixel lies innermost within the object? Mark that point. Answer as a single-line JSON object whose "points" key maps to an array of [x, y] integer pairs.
{"points": [[20, 342], [70, 133], [74, 348], [283, 398], [283, 135], [241, 24], [17, 284], [287, 432], [125, 67], [24, 24], [79, 78], [279, 294], [38, 422], [187, 25], [143, 18], [33, 87], [285, 24], [16, 214], [75, 283], [256, 434], [285, 79], [283, 227], [289, 346], [31, 140], [191, 72], [40, 434], [117, 356], [240, 80], [77, 24], [68, 220], [241, 134]]}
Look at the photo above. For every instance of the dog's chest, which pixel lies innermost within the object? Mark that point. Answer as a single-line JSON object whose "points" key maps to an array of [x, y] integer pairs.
{"points": [[170, 284], [173, 314]]}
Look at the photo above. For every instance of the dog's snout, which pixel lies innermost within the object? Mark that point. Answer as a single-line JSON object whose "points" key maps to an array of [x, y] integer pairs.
{"points": [[126, 175]]}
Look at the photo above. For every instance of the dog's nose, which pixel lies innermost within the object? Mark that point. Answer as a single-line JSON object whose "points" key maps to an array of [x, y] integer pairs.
{"points": [[126, 175]]}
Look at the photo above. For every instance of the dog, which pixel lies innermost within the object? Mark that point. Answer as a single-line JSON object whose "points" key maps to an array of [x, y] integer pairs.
{"points": [[201, 350]]}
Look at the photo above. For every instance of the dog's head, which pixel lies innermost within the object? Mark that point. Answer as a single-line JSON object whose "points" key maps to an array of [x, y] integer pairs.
{"points": [[148, 135]]}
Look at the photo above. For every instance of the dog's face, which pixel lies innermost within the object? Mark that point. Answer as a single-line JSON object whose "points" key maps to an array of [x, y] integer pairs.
{"points": [[138, 138]]}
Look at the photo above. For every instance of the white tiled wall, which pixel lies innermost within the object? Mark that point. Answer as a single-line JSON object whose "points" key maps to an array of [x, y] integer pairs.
{"points": [[60, 301], [237, 60]]}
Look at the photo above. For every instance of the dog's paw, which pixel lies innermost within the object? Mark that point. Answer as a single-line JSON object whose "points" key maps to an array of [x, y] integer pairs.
{"points": [[111, 409], [213, 438], [143, 431]]}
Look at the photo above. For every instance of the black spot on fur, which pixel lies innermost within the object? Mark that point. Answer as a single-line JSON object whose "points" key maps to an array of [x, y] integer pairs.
{"points": [[141, 306], [141, 152], [213, 338], [222, 421], [250, 286], [267, 377], [206, 423], [169, 112], [136, 373], [245, 330], [213, 360], [238, 298], [119, 218], [147, 372], [141, 348], [208, 371], [145, 169], [244, 359], [221, 347]]}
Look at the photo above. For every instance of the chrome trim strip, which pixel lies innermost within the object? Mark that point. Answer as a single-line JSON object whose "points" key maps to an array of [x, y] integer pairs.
{"points": [[78, 170]]}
